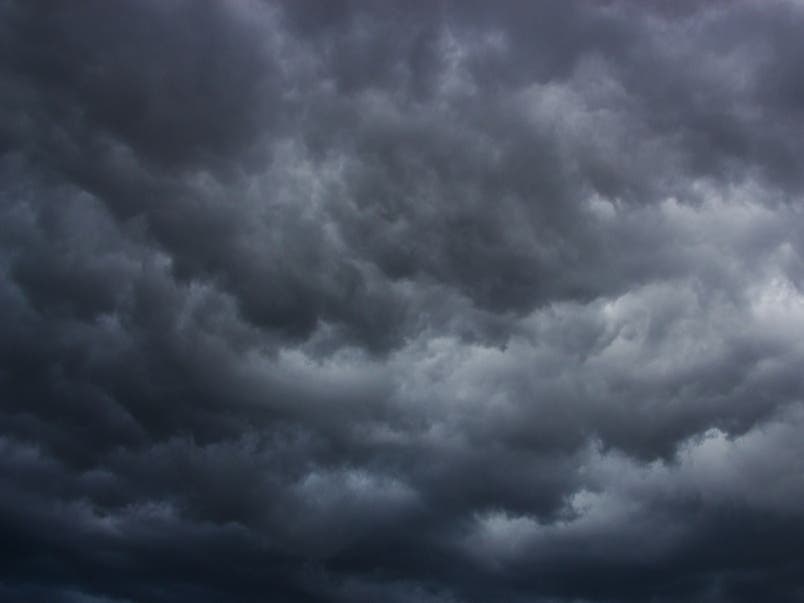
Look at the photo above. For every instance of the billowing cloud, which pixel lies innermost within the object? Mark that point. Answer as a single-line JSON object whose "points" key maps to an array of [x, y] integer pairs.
{"points": [[447, 302]]}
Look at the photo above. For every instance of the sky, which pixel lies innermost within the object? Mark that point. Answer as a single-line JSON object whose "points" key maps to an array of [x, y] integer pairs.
{"points": [[441, 301]]}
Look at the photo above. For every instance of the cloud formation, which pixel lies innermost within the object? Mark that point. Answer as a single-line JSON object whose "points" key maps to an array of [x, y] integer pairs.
{"points": [[449, 302]]}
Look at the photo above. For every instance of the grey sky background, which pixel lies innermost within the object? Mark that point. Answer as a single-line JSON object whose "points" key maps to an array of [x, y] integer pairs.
{"points": [[444, 302]]}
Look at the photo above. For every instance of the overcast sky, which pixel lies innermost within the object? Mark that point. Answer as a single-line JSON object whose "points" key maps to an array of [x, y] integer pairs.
{"points": [[426, 301]]}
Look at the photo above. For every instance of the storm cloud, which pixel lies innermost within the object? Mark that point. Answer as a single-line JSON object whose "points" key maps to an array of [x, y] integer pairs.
{"points": [[444, 302]]}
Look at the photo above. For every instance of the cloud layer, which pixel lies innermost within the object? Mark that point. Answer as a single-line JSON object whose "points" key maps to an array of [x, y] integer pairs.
{"points": [[449, 302]]}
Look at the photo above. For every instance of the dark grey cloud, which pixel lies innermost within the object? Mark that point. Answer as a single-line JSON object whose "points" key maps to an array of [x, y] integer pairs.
{"points": [[443, 302]]}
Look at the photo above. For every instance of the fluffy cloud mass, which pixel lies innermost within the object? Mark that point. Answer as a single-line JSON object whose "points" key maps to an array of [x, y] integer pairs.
{"points": [[441, 302]]}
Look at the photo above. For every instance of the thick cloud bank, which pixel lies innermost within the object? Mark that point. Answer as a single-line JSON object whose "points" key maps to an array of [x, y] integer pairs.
{"points": [[441, 302]]}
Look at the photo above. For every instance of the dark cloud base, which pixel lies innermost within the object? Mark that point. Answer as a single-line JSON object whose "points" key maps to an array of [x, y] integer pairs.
{"points": [[445, 302]]}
